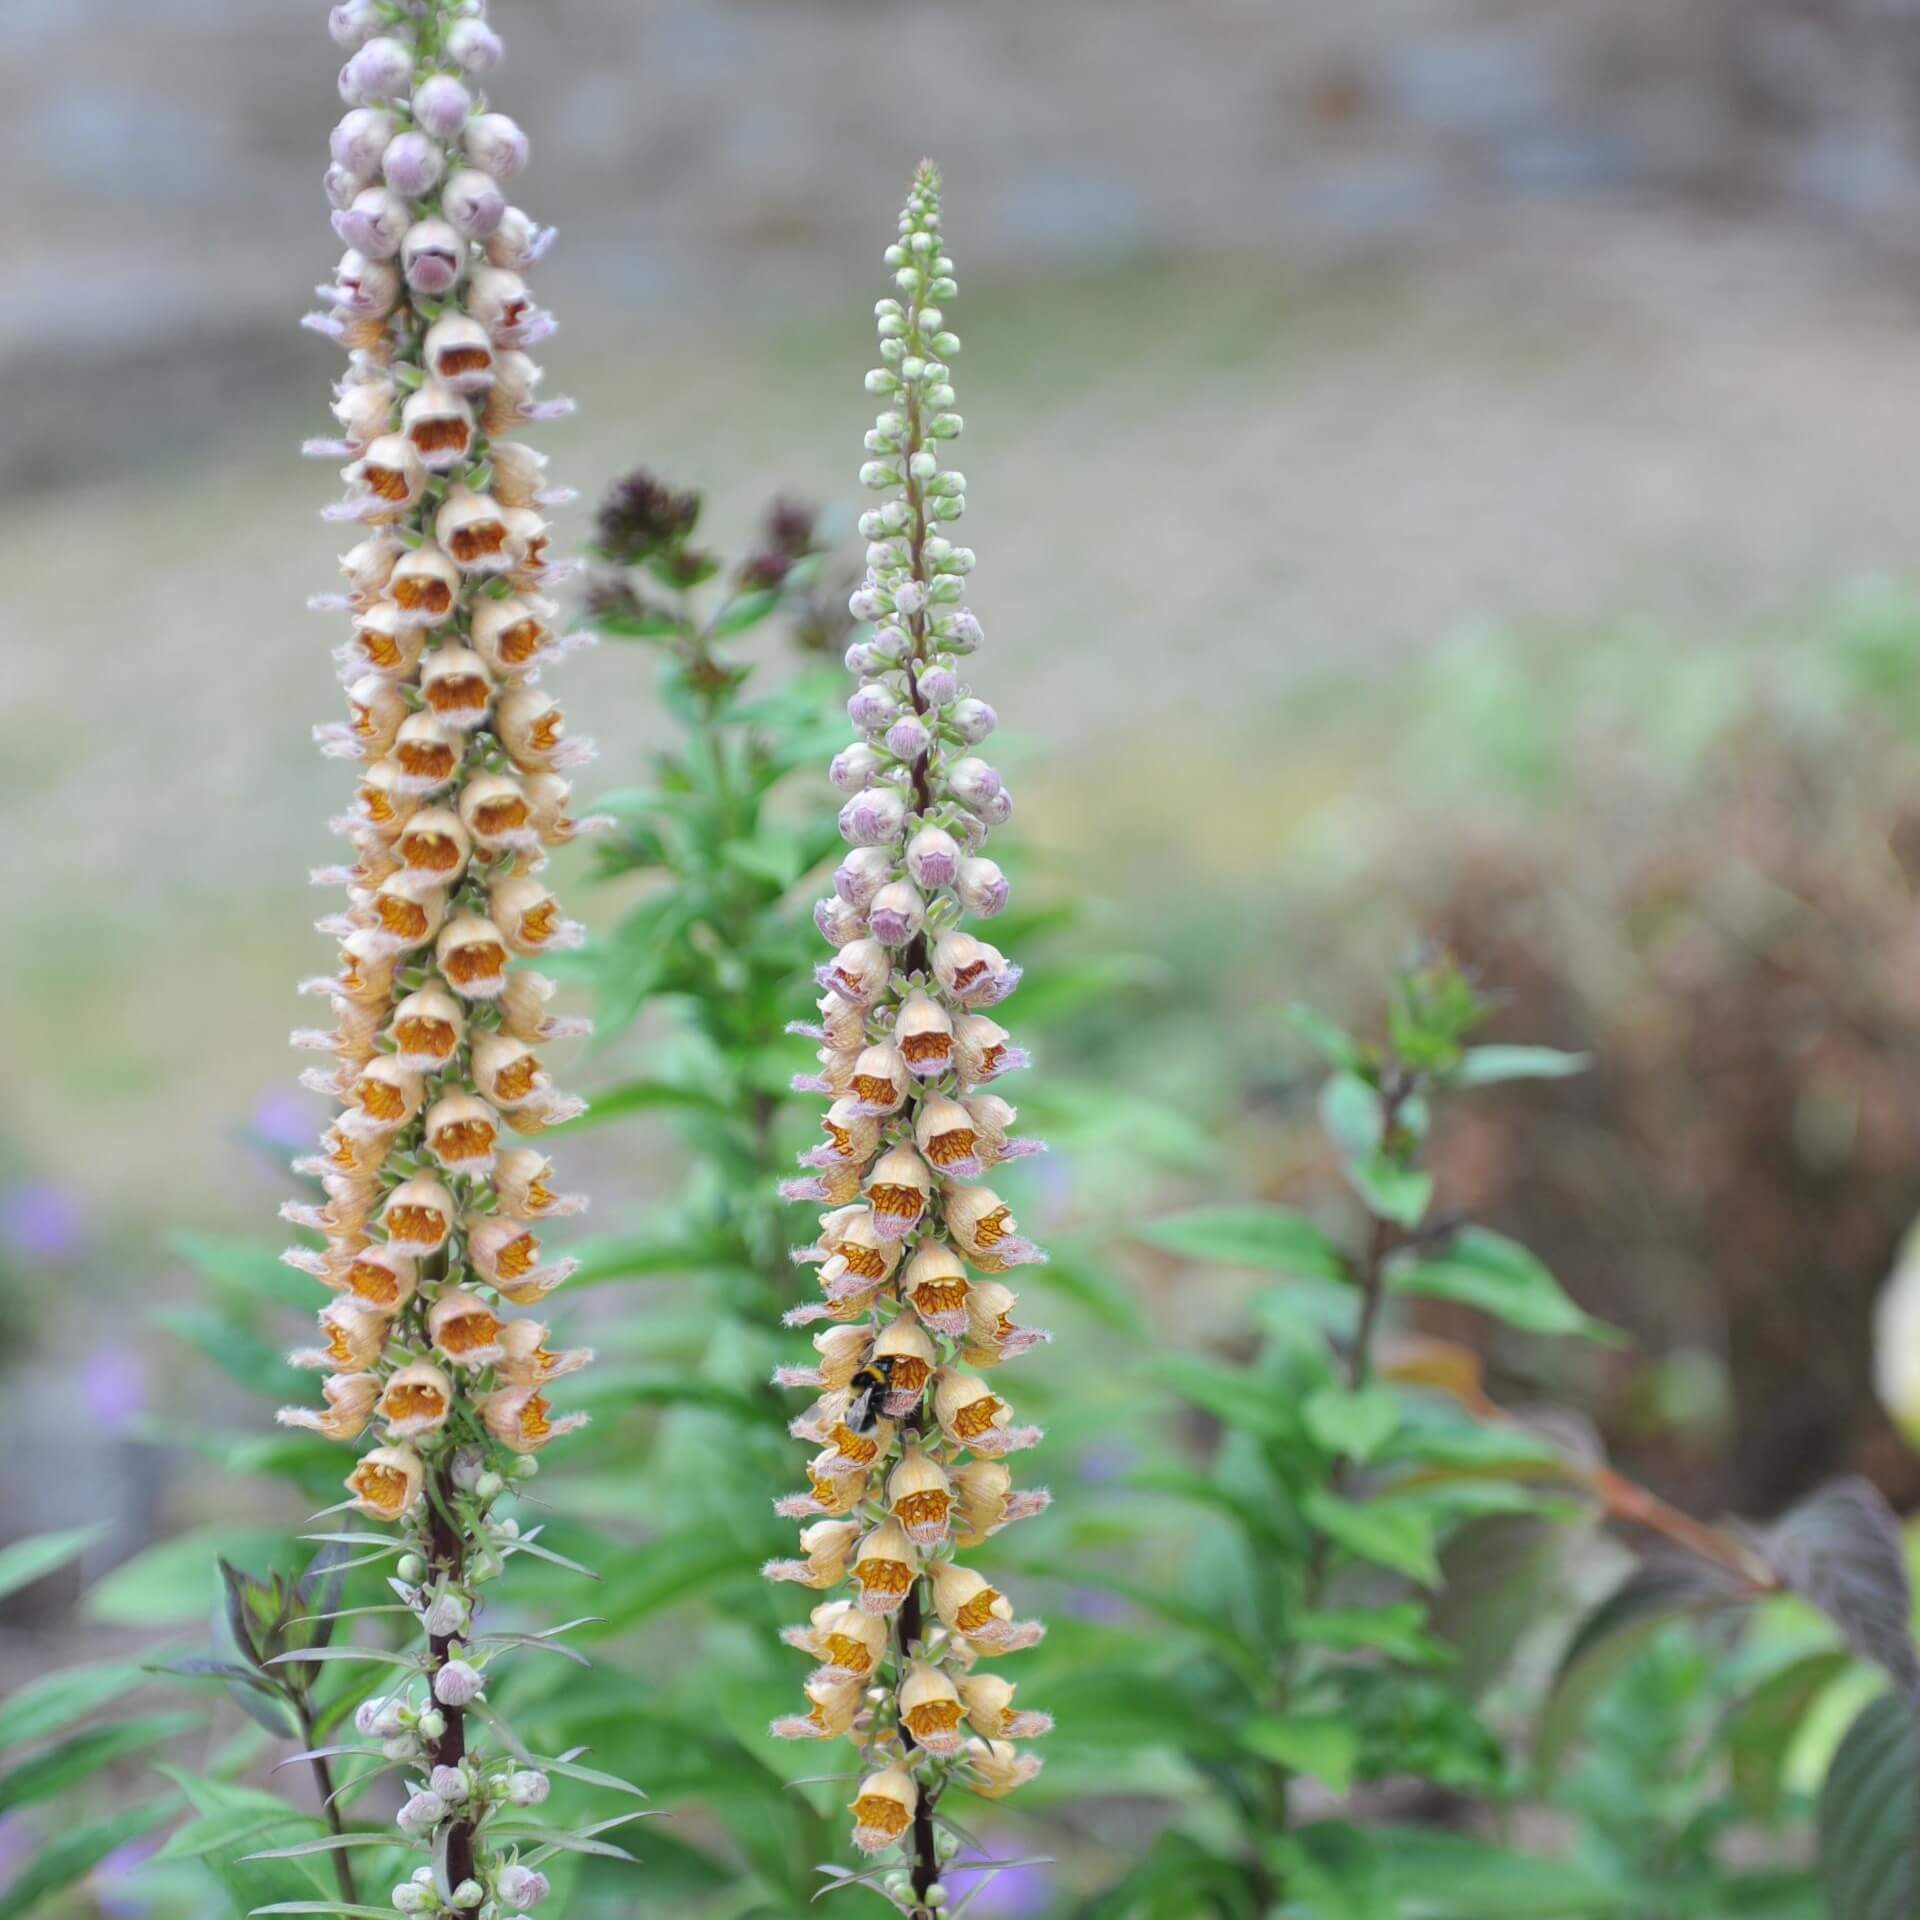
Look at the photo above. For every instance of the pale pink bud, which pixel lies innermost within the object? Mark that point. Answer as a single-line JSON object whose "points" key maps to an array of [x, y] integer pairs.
{"points": [[892, 643], [973, 720], [938, 685], [521, 1886], [496, 145], [933, 857], [862, 874], [838, 922], [412, 165], [982, 887], [421, 1814], [360, 139], [474, 45], [860, 658], [997, 810], [518, 241], [908, 738], [353, 22], [446, 1617], [381, 70], [528, 1789], [853, 767], [473, 202], [972, 782], [895, 915], [432, 256], [450, 1784], [456, 1684], [866, 603], [369, 289], [441, 105], [874, 818], [341, 184], [375, 224], [962, 632]]}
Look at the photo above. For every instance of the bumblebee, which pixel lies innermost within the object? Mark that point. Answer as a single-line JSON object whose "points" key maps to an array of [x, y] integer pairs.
{"points": [[869, 1387]]}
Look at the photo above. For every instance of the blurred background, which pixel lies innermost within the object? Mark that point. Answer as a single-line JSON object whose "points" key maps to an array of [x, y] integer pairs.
{"points": [[1439, 470]]}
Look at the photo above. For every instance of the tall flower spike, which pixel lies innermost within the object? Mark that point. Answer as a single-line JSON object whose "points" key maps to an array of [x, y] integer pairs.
{"points": [[432, 1219], [910, 1437]]}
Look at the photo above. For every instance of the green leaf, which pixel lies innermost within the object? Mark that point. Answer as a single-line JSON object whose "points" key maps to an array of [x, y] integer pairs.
{"points": [[637, 1257], [1395, 1534], [26, 1561], [1394, 1192], [1315, 1744], [1448, 1876], [1080, 1275], [76, 1851], [1276, 1238], [1499, 1276], [1337, 1047], [84, 1754], [744, 610], [246, 1271], [1488, 1066], [1354, 1425], [1759, 1734], [174, 1581], [1397, 1631], [1869, 1836], [1239, 1398], [1613, 1634], [1354, 1115], [55, 1700], [670, 1570], [1333, 1871]]}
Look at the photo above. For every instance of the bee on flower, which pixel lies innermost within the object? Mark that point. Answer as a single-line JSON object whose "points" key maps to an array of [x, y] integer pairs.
{"points": [[911, 1438]]}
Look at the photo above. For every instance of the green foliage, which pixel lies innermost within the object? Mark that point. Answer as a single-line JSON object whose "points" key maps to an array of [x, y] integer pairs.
{"points": [[1299, 1657]]}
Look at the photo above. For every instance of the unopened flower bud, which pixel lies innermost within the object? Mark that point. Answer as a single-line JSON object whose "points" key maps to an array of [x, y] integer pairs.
{"points": [[939, 685], [874, 817], [412, 165], [375, 223], [353, 22], [982, 887], [360, 139], [456, 1684], [972, 782], [469, 1894], [528, 1788], [410, 1568], [521, 1886], [933, 857], [854, 766], [473, 203], [489, 1486], [382, 69], [432, 1724], [441, 105], [908, 738], [474, 45], [496, 145], [872, 706]]}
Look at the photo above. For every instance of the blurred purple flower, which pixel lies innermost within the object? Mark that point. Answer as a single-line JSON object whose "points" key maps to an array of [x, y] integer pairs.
{"points": [[1021, 1893], [113, 1384], [111, 1882], [40, 1222], [1092, 1603], [17, 1847], [285, 1118], [1107, 1460]]}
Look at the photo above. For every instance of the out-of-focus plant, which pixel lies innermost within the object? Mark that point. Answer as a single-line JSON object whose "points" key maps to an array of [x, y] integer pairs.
{"points": [[912, 1441], [1295, 1663]]}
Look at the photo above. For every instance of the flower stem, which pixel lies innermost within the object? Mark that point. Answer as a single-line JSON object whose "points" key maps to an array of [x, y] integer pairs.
{"points": [[329, 1806]]}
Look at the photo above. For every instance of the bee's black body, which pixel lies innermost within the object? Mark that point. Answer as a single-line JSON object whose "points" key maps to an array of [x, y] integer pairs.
{"points": [[870, 1387]]}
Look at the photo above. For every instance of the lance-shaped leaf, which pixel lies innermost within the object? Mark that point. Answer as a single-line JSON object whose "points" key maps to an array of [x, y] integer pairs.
{"points": [[26, 1561], [1869, 1833], [1841, 1549]]}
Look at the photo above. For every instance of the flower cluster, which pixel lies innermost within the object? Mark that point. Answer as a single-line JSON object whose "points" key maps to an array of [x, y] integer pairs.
{"points": [[435, 1188], [912, 1440]]}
